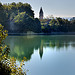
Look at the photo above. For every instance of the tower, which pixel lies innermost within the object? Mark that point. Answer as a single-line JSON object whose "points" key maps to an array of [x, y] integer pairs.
{"points": [[41, 14]]}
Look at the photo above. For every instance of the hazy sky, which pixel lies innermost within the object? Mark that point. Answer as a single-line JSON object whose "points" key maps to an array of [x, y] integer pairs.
{"points": [[57, 8]]}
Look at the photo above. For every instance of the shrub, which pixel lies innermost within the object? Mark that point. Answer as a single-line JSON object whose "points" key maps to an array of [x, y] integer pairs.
{"points": [[8, 65]]}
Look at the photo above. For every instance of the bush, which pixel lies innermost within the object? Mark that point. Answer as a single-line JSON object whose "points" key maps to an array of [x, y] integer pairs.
{"points": [[8, 65]]}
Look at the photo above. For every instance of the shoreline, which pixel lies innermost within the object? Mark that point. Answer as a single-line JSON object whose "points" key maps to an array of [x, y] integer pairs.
{"points": [[52, 33]]}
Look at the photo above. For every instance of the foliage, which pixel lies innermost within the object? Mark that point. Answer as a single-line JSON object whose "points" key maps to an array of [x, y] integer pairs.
{"points": [[9, 11], [3, 33], [57, 25], [18, 7], [19, 18], [26, 23], [8, 65], [23, 15], [3, 16]]}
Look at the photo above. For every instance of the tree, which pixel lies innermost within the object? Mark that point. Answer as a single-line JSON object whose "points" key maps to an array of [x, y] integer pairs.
{"points": [[25, 23], [3, 17]]}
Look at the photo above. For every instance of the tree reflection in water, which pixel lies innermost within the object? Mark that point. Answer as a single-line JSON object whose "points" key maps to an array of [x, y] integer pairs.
{"points": [[25, 45]]}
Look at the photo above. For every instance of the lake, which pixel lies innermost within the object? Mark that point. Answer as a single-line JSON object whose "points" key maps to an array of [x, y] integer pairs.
{"points": [[46, 55]]}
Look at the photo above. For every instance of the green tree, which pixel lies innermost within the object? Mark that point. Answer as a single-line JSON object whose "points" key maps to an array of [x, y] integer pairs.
{"points": [[3, 17], [26, 23]]}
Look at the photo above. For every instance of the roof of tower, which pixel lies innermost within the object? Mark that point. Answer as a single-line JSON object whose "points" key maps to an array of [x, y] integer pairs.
{"points": [[41, 11]]}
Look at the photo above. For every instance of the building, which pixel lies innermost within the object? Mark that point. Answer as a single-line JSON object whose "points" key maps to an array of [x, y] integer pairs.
{"points": [[41, 14]]}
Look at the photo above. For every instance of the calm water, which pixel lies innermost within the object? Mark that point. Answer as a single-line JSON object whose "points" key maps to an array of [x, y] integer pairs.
{"points": [[46, 55]]}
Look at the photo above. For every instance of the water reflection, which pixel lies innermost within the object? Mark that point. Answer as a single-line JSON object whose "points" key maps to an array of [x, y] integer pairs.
{"points": [[25, 45]]}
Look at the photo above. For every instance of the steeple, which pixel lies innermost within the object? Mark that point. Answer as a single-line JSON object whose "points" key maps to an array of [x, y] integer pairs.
{"points": [[41, 14]]}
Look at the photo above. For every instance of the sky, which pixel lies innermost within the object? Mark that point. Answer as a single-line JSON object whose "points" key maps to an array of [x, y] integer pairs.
{"points": [[57, 8]]}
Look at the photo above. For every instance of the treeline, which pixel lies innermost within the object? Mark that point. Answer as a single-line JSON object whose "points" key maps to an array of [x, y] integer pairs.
{"points": [[19, 18], [57, 25]]}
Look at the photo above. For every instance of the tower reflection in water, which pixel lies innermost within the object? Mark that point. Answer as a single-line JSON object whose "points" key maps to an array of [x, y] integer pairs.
{"points": [[21, 46]]}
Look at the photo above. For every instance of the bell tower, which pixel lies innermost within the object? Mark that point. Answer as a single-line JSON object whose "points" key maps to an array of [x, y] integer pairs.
{"points": [[41, 14]]}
